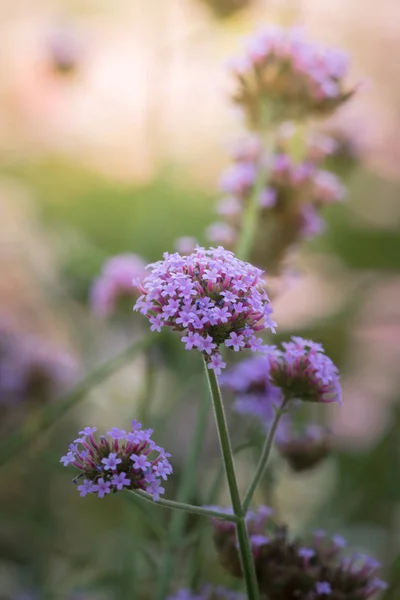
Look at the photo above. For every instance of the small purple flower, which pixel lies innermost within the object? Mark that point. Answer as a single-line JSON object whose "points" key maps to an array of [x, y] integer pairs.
{"points": [[85, 488], [323, 588], [116, 433], [88, 431], [101, 487], [216, 364], [206, 344], [120, 481], [236, 341], [67, 459], [140, 462], [111, 461], [155, 489], [120, 278], [259, 540]]}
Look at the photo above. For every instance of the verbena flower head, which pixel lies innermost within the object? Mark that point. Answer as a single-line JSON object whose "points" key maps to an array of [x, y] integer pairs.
{"points": [[289, 205], [291, 569], [118, 461], [208, 592], [292, 76], [210, 296], [119, 279], [305, 449], [303, 371]]}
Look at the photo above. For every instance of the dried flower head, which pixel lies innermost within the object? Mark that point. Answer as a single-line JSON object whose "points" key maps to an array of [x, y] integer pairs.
{"points": [[118, 461], [305, 449], [290, 570], [290, 75], [119, 279], [208, 592], [210, 296]]}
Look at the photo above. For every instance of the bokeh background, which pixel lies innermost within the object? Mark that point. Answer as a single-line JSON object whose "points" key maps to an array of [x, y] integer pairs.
{"points": [[115, 120]]}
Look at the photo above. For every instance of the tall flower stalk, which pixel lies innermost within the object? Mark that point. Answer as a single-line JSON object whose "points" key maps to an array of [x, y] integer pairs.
{"points": [[246, 557]]}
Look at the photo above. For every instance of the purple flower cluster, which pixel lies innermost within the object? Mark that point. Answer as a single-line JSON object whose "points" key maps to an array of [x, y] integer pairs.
{"points": [[303, 371], [208, 593], [300, 371], [210, 296], [304, 449], [291, 201], [290, 569], [119, 279], [293, 76], [123, 460]]}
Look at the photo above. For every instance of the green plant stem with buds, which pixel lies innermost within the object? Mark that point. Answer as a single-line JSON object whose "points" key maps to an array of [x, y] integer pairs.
{"points": [[185, 490], [189, 508], [249, 225], [246, 557], [49, 415], [264, 456]]}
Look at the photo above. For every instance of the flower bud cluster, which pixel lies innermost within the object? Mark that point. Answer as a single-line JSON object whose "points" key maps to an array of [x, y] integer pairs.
{"points": [[289, 77], [305, 449], [289, 204], [300, 371], [289, 570], [121, 460], [211, 297], [118, 281]]}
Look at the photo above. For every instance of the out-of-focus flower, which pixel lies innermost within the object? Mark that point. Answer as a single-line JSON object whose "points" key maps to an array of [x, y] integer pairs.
{"points": [[119, 279], [32, 371], [290, 569], [305, 449], [212, 297], [289, 77], [254, 393], [185, 244], [300, 371], [208, 592], [289, 204], [118, 461], [64, 49]]}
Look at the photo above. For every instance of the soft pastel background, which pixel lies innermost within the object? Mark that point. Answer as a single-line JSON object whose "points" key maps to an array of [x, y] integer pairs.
{"points": [[122, 153]]}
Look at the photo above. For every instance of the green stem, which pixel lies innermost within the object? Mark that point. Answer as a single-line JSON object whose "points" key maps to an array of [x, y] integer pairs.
{"points": [[264, 457], [249, 224], [47, 416], [190, 508], [246, 557], [185, 490]]}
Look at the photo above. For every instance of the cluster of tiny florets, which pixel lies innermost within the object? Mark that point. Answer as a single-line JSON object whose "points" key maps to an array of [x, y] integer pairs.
{"points": [[210, 296], [118, 280], [121, 460], [208, 592], [292, 76], [289, 569], [303, 449], [290, 201], [303, 371], [300, 371]]}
